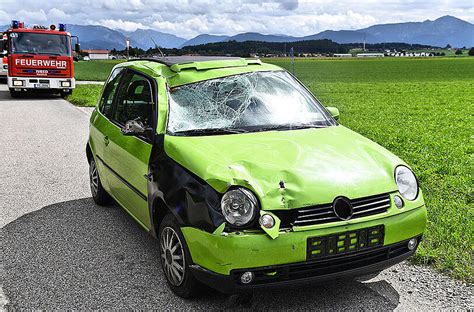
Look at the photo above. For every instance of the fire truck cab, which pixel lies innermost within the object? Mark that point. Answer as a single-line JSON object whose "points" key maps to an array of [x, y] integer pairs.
{"points": [[40, 58]]}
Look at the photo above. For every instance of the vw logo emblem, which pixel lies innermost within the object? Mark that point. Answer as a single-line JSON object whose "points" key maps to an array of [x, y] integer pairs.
{"points": [[342, 208]]}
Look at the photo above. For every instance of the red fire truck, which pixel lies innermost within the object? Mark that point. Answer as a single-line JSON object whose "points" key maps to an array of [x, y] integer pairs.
{"points": [[40, 59]]}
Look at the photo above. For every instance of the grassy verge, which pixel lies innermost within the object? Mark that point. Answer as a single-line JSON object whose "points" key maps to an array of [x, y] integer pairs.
{"points": [[421, 110], [85, 95], [94, 70]]}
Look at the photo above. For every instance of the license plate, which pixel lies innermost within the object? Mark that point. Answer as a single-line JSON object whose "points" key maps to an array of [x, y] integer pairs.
{"points": [[342, 243], [42, 85]]}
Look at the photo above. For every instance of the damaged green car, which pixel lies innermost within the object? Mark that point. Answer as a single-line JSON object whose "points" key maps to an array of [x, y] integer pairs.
{"points": [[246, 180]]}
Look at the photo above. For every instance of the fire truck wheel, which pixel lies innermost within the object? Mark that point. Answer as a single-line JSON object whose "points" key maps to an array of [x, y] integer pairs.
{"points": [[65, 93], [14, 93]]}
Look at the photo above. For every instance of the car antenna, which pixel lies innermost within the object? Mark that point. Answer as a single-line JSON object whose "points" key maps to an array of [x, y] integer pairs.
{"points": [[157, 47]]}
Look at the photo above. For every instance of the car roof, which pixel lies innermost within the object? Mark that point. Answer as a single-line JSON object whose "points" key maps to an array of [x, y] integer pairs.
{"points": [[178, 63], [172, 60], [180, 70]]}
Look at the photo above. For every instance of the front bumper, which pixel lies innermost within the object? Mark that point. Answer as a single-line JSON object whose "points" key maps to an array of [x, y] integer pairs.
{"points": [[330, 268], [228, 253], [41, 83]]}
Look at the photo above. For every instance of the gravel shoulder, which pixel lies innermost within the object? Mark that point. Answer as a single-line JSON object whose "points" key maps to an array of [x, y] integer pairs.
{"points": [[61, 251]]}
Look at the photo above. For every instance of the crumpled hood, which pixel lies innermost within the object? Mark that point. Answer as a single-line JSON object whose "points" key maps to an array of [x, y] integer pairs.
{"points": [[315, 165]]}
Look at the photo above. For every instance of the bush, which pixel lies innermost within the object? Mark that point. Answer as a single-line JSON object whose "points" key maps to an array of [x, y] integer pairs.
{"points": [[471, 52], [458, 52]]}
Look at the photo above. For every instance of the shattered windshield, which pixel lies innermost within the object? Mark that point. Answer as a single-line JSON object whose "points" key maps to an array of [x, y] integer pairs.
{"points": [[254, 101]]}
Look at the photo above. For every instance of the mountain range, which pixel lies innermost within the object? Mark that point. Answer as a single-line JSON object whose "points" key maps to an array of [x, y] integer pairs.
{"points": [[440, 32]]}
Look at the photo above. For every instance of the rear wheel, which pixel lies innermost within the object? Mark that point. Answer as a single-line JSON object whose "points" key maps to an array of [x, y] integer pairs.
{"points": [[176, 259], [99, 195]]}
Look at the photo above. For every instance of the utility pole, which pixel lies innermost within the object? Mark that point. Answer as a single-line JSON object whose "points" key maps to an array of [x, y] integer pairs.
{"points": [[128, 48]]}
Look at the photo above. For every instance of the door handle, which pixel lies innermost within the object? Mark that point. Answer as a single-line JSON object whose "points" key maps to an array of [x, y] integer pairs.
{"points": [[106, 140]]}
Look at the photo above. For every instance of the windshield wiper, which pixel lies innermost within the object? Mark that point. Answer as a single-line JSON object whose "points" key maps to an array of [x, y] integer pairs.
{"points": [[49, 53], [210, 131], [288, 127]]}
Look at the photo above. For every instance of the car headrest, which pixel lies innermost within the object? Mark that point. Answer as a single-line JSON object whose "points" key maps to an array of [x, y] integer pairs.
{"points": [[139, 91]]}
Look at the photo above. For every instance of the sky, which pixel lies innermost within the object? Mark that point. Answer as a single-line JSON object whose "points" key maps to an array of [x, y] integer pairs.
{"points": [[188, 18]]}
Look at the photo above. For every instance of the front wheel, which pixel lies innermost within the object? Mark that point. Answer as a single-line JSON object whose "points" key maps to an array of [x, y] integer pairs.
{"points": [[176, 259], [99, 195], [14, 93], [65, 93]]}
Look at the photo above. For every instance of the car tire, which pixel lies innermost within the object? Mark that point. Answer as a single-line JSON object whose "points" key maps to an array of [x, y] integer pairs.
{"points": [[64, 94], [14, 94], [180, 281], [100, 196]]}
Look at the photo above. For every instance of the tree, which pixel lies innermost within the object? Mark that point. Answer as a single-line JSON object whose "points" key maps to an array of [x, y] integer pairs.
{"points": [[471, 52], [458, 52], [448, 46]]}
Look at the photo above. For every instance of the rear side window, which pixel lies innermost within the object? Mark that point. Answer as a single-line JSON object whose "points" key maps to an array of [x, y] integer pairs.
{"points": [[134, 100], [110, 89]]}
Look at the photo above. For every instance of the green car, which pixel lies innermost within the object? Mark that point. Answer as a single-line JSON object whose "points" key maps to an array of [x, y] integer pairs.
{"points": [[246, 180]]}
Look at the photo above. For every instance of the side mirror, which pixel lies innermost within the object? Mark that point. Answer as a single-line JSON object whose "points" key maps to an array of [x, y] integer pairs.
{"points": [[77, 48], [135, 127], [334, 112]]}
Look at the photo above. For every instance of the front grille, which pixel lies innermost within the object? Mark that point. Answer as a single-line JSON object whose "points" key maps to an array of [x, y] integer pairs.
{"points": [[343, 243], [325, 266], [362, 207]]}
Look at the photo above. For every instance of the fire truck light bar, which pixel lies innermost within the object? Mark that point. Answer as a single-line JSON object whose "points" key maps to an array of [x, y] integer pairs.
{"points": [[15, 24]]}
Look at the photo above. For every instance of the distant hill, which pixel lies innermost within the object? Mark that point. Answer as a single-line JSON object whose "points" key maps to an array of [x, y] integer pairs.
{"points": [[252, 36], [203, 39], [142, 38], [97, 37], [440, 32]]}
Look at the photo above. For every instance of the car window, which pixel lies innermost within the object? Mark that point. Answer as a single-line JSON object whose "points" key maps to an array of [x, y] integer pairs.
{"points": [[107, 98], [134, 100]]}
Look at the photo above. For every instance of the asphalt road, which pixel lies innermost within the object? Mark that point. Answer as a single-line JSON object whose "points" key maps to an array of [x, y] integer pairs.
{"points": [[61, 251]]}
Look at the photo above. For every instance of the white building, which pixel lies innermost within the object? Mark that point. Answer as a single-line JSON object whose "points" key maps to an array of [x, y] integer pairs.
{"points": [[370, 55], [98, 54]]}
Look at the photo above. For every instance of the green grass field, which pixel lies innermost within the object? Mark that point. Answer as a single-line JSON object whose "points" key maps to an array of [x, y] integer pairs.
{"points": [[85, 95], [421, 110], [94, 70]]}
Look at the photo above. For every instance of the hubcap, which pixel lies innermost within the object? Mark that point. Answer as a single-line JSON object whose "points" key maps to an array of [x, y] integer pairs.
{"points": [[172, 256], [94, 178]]}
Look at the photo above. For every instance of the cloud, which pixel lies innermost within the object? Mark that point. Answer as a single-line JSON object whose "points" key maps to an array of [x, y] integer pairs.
{"points": [[31, 17], [120, 24], [188, 18], [4, 18], [288, 4], [58, 15]]}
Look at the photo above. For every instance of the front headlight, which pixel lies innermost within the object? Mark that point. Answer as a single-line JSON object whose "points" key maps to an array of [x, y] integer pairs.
{"points": [[406, 182], [239, 206]]}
